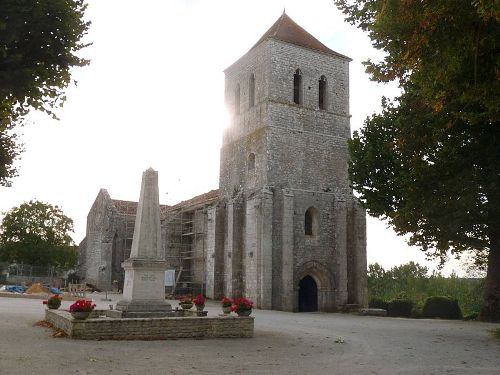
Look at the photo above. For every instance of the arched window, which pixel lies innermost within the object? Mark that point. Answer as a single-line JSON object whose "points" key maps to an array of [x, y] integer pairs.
{"points": [[297, 87], [237, 100], [251, 162], [311, 222], [322, 100], [251, 91]]}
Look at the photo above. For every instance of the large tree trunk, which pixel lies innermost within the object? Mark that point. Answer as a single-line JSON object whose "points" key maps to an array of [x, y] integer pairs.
{"points": [[491, 307]]}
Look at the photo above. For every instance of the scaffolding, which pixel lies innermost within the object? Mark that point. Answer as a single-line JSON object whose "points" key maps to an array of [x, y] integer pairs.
{"points": [[186, 245]]}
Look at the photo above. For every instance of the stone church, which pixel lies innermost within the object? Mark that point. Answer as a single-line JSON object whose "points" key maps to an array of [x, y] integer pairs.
{"points": [[284, 228]]}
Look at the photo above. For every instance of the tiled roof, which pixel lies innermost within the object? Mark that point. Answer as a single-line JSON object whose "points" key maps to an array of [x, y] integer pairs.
{"points": [[199, 199], [130, 208], [125, 207], [287, 30]]}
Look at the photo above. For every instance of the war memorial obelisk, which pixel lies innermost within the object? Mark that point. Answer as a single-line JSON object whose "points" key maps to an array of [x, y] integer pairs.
{"points": [[144, 288]]}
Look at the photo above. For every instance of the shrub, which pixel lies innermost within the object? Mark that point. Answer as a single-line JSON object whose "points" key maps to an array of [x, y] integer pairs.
{"points": [[471, 316], [412, 281], [441, 307], [377, 303], [54, 302], [400, 307]]}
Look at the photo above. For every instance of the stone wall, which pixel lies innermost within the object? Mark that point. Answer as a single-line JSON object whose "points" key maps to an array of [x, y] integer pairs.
{"points": [[301, 158], [99, 239], [107, 243], [151, 328], [356, 259]]}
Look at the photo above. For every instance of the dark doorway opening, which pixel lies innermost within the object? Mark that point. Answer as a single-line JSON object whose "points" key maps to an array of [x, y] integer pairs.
{"points": [[308, 295]]}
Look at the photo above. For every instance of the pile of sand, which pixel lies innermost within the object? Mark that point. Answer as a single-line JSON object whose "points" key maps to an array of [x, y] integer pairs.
{"points": [[37, 288]]}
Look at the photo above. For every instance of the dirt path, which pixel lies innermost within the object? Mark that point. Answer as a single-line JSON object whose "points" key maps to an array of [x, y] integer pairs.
{"points": [[284, 343]]}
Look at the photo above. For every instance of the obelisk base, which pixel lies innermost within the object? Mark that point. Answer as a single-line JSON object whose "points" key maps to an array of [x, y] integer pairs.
{"points": [[144, 287]]}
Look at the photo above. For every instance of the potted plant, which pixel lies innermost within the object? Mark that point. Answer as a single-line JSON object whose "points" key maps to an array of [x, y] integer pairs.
{"points": [[226, 305], [186, 303], [199, 302], [81, 309], [53, 302], [242, 306]]}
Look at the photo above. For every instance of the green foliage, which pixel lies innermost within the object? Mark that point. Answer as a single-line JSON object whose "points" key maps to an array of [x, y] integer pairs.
{"points": [[471, 316], [441, 307], [377, 303], [429, 162], [37, 233], [411, 281], [39, 41], [400, 308]]}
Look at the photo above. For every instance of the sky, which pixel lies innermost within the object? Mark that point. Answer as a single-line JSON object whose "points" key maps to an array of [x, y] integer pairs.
{"points": [[152, 96]]}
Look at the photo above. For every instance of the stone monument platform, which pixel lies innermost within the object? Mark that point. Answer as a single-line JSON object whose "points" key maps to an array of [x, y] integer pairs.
{"points": [[100, 326]]}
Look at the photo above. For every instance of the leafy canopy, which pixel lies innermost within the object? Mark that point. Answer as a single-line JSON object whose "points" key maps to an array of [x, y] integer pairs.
{"points": [[37, 233], [429, 163], [39, 41]]}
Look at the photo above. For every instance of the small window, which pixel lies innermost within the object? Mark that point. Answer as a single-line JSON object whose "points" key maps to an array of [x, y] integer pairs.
{"points": [[237, 100], [297, 87], [251, 162], [251, 91], [311, 222], [322, 102]]}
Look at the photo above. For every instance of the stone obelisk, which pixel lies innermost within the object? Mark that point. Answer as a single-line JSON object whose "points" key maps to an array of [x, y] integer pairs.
{"points": [[144, 288]]}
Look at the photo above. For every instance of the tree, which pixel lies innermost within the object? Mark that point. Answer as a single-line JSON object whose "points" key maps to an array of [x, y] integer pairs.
{"points": [[39, 40], [430, 162], [37, 233]]}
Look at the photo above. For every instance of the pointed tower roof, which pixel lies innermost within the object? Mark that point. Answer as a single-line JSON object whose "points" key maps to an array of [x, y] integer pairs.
{"points": [[287, 30]]}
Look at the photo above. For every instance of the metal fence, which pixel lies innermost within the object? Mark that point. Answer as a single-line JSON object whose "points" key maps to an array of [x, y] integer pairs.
{"points": [[27, 273], [29, 270]]}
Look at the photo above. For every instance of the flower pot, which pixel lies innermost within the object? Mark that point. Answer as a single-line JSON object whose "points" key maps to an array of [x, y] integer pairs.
{"points": [[226, 309], [243, 312], [186, 306], [200, 307], [80, 315]]}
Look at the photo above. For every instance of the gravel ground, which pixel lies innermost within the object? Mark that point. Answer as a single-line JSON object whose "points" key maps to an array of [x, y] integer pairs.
{"points": [[284, 343]]}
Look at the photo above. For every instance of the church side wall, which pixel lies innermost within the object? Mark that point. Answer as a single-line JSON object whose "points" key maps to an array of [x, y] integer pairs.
{"points": [[287, 58], [210, 252], [99, 245], [357, 262], [318, 255], [307, 161], [251, 253], [198, 246]]}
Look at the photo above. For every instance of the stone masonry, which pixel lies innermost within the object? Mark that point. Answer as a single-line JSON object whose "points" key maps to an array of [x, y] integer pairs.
{"points": [[284, 228]]}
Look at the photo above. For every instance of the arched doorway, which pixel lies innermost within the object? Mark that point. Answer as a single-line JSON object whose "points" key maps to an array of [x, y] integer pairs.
{"points": [[308, 295]]}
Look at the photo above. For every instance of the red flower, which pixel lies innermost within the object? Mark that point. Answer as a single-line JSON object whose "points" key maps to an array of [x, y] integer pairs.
{"points": [[225, 302], [82, 305], [242, 304], [199, 300], [45, 302]]}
